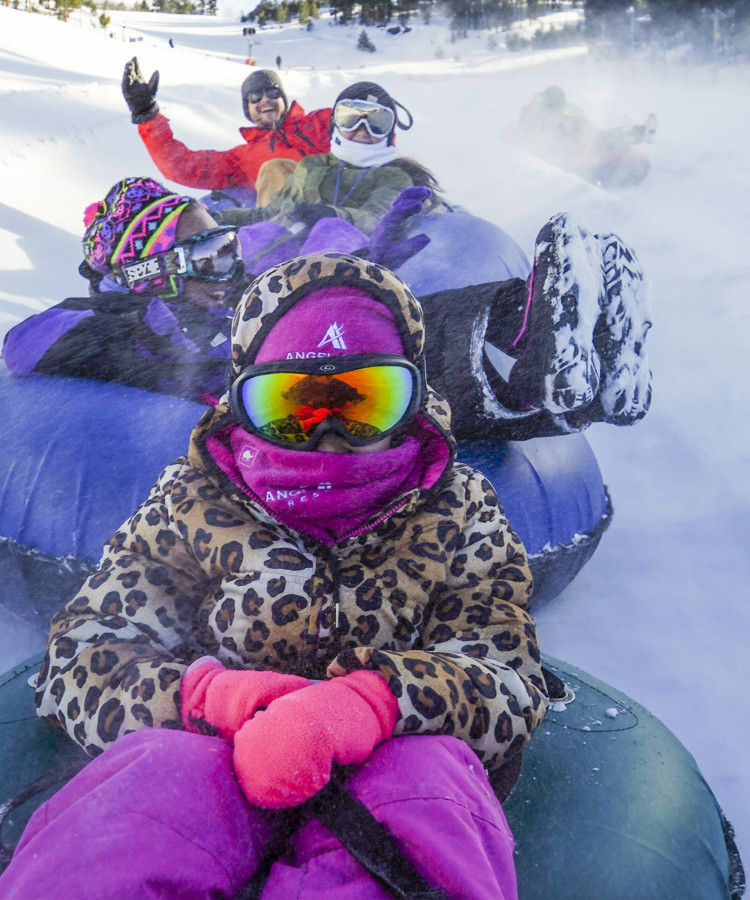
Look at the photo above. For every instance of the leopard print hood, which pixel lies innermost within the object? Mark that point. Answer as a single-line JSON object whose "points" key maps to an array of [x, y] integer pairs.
{"points": [[277, 290], [432, 595], [274, 293]]}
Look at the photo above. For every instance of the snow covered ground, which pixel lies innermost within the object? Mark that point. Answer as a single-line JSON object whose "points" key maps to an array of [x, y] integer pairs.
{"points": [[662, 612]]}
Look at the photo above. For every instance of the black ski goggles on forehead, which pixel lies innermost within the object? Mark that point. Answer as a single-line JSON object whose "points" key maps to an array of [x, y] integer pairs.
{"points": [[379, 120], [213, 255], [293, 403], [272, 93]]}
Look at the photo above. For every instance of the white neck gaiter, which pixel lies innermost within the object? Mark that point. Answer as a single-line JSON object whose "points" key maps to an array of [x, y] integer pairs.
{"points": [[362, 155]]}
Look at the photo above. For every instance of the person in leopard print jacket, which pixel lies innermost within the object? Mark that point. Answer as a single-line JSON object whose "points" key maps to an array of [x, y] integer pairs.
{"points": [[318, 584]]}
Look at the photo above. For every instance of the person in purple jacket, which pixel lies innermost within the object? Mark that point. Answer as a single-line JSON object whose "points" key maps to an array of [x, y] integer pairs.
{"points": [[163, 282], [520, 358]]}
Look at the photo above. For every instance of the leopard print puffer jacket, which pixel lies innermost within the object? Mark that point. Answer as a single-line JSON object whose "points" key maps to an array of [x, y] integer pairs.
{"points": [[434, 595]]}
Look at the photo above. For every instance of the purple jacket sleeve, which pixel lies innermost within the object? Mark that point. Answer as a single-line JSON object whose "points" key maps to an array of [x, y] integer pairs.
{"points": [[26, 343]]}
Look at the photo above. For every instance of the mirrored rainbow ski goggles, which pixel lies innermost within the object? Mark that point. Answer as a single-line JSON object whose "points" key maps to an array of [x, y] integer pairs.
{"points": [[379, 120], [213, 255], [294, 402]]}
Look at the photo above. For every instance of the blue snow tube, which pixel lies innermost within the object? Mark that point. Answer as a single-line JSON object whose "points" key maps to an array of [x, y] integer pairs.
{"points": [[552, 491], [80, 457], [463, 249]]}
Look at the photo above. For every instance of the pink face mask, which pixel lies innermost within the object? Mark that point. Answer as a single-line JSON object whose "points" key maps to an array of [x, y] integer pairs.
{"points": [[330, 495]]}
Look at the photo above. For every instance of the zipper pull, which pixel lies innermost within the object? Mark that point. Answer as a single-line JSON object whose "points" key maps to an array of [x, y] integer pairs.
{"points": [[336, 615]]}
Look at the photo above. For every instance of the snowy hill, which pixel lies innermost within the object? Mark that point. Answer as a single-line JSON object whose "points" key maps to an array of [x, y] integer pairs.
{"points": [[662, 611]]}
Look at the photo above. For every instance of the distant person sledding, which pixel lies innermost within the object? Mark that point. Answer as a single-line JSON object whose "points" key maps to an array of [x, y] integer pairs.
{"points": [[558, 131], [279, 130]]}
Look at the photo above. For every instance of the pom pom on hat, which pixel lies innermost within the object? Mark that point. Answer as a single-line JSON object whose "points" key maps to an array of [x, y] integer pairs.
{"points": [[89, 213]]}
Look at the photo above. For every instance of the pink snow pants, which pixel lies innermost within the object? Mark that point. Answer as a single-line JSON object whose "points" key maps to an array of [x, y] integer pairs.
{"points": [[160, 815]]}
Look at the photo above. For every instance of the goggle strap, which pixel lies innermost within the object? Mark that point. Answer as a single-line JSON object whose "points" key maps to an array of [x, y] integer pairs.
{"points": [[147, 269], [174, 261], [181, 261], [399, 123]]}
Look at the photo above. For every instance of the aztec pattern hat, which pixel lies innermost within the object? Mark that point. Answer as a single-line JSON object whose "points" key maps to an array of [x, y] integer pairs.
{"points": [[136, 219]]}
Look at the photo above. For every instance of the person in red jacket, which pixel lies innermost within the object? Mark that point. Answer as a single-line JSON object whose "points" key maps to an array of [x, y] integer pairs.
{"points": [[279, 130]]}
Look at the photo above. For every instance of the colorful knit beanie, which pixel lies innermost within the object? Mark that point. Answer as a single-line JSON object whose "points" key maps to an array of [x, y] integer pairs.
{"points": [[138, 218]]}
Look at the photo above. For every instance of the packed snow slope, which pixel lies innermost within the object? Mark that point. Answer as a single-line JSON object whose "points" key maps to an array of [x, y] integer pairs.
{"points": [[662, 611]]}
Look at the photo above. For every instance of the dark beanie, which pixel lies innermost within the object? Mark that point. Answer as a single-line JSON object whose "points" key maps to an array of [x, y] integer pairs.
{"points": [[369, 90], [256, 81]]}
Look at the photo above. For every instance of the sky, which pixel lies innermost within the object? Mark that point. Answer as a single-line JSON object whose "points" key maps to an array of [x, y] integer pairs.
{"points": [[662, 611]]}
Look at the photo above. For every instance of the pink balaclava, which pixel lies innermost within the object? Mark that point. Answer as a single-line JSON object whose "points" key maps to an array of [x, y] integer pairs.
{"points": [[334, 321], [330, 495]]}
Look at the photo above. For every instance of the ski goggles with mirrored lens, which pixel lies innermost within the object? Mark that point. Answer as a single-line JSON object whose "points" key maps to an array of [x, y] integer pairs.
{"points": [[213, 255], [379, 120], [272, 93], [363, 398]]}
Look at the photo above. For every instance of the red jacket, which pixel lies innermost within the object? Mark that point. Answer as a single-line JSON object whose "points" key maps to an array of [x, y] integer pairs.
{"points": [[300, 135]]}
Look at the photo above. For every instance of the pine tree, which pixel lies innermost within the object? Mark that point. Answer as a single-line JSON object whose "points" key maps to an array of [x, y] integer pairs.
{"points": [[364, 43]]}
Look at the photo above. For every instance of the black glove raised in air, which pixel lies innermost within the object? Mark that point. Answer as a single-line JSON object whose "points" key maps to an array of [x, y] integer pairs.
{"points": [[139, 94]]}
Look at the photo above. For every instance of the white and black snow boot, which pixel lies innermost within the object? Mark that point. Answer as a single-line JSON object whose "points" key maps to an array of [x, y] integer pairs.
{"points": [[620, 336], [567, 281]]}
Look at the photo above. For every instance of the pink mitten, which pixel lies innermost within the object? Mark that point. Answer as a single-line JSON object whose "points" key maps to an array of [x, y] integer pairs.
{"points": [[284, 755], [227, 698]]}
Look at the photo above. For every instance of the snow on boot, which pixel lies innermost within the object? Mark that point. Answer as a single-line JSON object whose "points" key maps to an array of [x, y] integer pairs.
{"points": [[566, 284], [625, 393]]}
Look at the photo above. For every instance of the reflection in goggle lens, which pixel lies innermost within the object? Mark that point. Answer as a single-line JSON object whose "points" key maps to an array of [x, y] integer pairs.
{"points": [[350, 114], [361, 403], [213, 254]]}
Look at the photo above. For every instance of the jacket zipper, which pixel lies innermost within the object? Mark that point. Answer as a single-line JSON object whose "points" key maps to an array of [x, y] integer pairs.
{"points": [[302, 137], [333, 563]]}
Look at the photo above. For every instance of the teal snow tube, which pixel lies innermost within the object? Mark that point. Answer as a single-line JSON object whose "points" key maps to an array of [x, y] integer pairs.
{"points": [[609, 804]]}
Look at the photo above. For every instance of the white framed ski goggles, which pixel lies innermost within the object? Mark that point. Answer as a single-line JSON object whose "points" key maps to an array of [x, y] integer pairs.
{"points": [[293, 403], [379, 120], [214, 255]]}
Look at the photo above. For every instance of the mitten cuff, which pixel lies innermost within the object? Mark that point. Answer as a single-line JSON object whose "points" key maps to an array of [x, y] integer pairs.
{"points": [[373, 688], [193, 687]]}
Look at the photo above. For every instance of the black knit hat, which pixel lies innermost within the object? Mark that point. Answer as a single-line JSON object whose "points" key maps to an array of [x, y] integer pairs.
{"points": [[368, 90], [256, 81]]}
